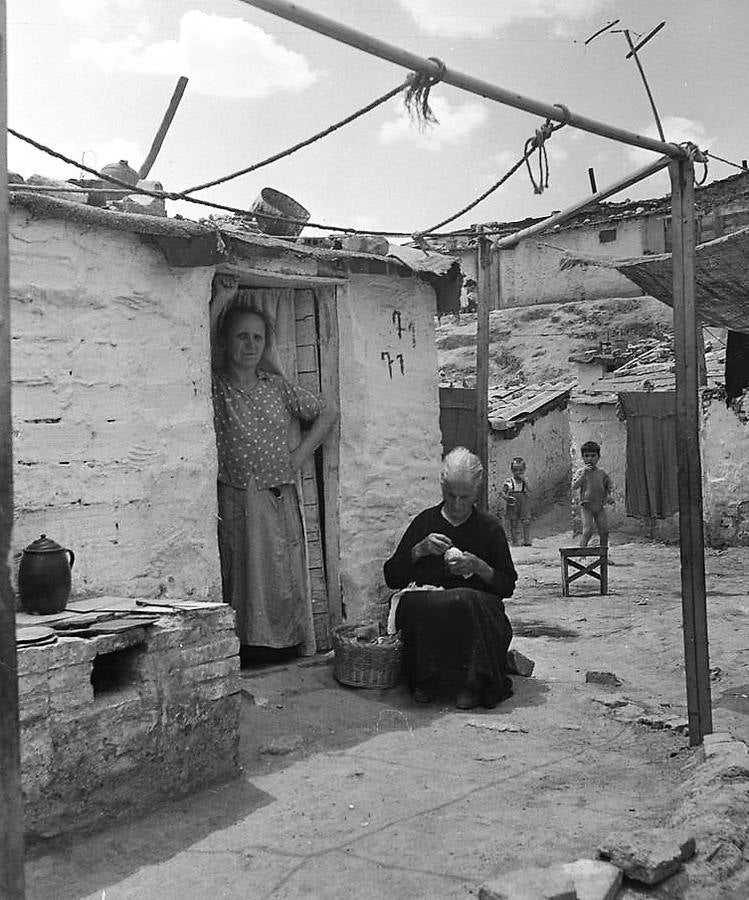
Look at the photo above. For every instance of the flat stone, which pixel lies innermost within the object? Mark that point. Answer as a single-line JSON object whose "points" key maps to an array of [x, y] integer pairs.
{"points": [[612, 701], [594, 879], [282, 745], [602, 678], [648, 856], [519, 664], [535, 883]]}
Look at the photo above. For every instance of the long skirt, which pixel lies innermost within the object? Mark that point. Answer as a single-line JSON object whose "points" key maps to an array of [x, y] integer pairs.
{"points": [[264, 566], [460, 628]]}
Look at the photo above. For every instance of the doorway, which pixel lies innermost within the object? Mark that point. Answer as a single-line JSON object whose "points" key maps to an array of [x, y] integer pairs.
{"points": [[307, 342]]}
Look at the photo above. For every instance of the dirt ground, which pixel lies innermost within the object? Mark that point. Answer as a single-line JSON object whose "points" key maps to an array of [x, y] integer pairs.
{"points": [[352, 793]]}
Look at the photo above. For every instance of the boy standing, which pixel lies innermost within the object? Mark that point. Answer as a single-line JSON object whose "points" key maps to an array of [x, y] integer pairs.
{"points": [[595, 494], [515, 493]]}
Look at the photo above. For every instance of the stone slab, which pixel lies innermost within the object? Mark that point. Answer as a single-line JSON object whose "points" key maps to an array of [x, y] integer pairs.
{"points": [[534, 883], [594, 879], [648, 856], [608, 678]]}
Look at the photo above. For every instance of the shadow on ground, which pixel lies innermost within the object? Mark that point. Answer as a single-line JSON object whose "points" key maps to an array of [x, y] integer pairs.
{"points": [[72, 868], [290, 713]]}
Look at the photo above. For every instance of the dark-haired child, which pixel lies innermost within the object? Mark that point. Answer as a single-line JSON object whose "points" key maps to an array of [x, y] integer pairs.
{"points": [[595, 494]]}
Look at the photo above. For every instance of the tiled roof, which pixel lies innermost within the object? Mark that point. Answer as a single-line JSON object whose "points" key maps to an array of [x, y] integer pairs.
{"points": [[508, 408], [655, 371]]}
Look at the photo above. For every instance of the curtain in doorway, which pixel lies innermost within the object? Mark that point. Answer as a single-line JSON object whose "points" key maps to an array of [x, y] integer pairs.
{"points": [[651, 488]]}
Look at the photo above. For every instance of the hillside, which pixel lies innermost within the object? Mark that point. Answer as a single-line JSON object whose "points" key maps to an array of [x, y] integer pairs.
{"points": [[532, 345]]}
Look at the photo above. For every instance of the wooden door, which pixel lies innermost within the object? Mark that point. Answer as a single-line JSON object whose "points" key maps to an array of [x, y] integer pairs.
{"points": [[317, 370]]}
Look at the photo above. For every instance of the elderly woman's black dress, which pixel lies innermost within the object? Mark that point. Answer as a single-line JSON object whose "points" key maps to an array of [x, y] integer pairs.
{"points": [[465, 625]]}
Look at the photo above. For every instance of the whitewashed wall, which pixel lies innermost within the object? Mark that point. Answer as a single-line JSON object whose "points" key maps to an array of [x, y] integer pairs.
{"points": [[725, 473], [544, 444], [390, 438], [113, 432], [599, 422], [531, 273]]}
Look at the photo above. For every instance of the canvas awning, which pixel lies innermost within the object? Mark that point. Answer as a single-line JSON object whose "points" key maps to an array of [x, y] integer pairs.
{"points": [[721, 278]]}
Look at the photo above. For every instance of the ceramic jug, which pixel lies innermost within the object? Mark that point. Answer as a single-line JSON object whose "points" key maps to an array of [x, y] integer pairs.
{"points": [[44, 577]]}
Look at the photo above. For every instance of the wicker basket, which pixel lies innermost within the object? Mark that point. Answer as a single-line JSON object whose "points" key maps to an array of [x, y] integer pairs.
{"points": [[363, 664]]}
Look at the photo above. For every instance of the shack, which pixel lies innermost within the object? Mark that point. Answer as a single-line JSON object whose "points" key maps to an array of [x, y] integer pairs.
{"points": [[631, 412], [114, 444]]}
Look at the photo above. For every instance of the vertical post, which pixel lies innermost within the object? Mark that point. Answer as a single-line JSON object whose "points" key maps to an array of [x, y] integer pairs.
{"points": [[694, 610], [483, 290], [164, 127], [11, 804]]}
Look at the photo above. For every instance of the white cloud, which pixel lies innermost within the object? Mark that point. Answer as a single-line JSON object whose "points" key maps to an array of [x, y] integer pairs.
{"points": [[476, 18], [676, 130], [455, 124], [27, 160], [222, 57]]}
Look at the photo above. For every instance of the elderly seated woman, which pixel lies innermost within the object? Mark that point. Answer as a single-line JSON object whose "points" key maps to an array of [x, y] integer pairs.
{"points": [[461, 625]]}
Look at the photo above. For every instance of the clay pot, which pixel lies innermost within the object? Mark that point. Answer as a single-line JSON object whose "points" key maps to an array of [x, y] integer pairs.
{"points": [[44, 577]]}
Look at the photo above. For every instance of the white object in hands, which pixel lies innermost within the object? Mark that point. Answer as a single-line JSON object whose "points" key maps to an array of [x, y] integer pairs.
{"points": [[452, 554]]}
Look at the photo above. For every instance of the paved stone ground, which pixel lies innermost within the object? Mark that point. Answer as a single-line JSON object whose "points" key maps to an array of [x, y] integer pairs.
{"points": [[350, 793]]}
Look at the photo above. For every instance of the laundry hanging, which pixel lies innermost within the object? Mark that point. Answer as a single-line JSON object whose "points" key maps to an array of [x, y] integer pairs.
{"points": [[651, 488]]}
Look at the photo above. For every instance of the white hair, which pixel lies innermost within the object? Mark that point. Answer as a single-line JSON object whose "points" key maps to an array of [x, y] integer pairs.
{"points": [[461, 465]]}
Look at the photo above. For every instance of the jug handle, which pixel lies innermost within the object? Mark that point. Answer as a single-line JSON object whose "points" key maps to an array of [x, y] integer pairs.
{"points": [[72, 557]]}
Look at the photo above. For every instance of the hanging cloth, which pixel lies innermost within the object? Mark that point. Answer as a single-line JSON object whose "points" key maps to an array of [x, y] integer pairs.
{"points": [[651, 488]]}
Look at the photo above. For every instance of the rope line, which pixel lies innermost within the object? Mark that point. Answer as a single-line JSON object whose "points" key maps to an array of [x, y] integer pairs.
{"points": [[548, 129], [536, 142], [726, 161], [310, 140]]}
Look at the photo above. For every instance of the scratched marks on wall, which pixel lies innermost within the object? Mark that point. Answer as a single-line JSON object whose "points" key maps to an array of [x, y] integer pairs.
{"points": [[406, 333]]}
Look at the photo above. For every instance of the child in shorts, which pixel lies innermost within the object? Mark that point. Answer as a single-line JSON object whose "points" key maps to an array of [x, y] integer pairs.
{"points": [[595, 494], [515, 493]]}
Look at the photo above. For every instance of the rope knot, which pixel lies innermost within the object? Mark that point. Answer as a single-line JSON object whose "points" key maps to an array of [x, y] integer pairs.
{"points": [[416, 99]]}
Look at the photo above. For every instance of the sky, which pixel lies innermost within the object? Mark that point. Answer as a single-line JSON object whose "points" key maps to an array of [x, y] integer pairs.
{"points": [[93, 78]]}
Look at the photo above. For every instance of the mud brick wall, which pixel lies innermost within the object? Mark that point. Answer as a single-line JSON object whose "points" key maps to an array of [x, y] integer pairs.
{"points": [[112, 725]]}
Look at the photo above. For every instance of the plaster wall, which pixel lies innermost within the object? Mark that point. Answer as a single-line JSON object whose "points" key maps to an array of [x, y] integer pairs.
{"points": [[725, 472], [599, 422], [544, 444], [530, 273], [114, 450], [390, 450]]}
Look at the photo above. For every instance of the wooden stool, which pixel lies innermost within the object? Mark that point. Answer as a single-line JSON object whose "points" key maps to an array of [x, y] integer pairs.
{"points": [[600, 563]]}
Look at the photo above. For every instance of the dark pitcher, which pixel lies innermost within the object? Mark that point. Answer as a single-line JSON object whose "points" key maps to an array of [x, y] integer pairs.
{"points": [[44, 577]]}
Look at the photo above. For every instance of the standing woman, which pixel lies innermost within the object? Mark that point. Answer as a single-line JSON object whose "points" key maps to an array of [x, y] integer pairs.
{"points": [[260, 534], [462, 626]]}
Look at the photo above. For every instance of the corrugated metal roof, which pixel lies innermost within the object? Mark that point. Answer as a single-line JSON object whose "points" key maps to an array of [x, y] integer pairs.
{"points": [[508, 408]]}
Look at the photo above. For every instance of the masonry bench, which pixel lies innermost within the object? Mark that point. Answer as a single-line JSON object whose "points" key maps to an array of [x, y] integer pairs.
{"points": [[598, 568], [113, 724]]}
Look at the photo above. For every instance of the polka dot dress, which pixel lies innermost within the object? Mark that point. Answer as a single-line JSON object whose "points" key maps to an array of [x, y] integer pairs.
{"points": [[252, 427]]}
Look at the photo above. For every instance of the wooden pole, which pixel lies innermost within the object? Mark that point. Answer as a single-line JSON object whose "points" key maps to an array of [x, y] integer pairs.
{"points": [[691, 539], [164, 127], [11, 803], [633, 52], [483, 300], [374, 46]]}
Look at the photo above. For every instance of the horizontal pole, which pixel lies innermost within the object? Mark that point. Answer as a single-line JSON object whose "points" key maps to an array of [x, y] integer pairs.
{"points": [[558, 218], [61, 189], [374, 46]]}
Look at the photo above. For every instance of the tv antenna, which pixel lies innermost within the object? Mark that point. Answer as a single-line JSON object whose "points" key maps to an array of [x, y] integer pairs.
{"points": [[633, 48]]}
